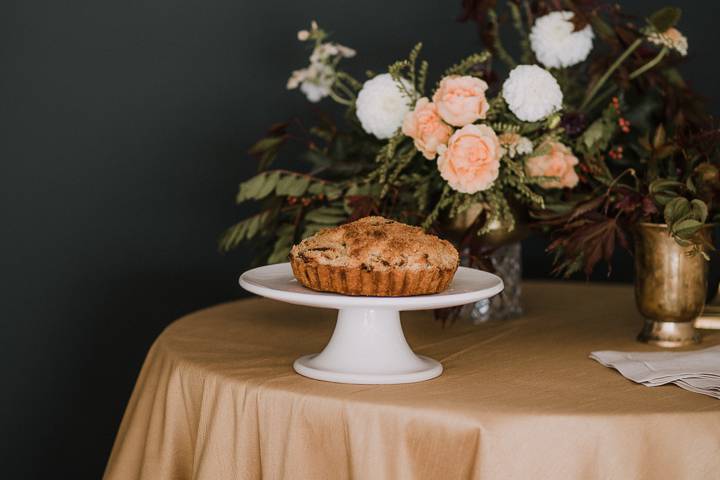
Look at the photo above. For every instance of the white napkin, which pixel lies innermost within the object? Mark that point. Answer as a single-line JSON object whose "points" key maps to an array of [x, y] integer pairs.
{"points": [[697, 371]]}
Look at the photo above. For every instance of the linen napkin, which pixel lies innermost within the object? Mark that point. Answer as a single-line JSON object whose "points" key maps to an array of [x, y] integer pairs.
{"points": [[697, 371]]}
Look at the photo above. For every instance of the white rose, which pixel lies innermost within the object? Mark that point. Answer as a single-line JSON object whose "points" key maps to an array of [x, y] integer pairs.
{"points": [[532, 93], [556, 43], [381, 107]]}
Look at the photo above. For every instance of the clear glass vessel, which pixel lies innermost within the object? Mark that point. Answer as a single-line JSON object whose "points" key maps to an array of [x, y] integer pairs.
{"points": [[504, 261]]}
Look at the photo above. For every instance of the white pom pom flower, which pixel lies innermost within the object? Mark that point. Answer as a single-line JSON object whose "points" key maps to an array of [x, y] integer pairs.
{"points": [[381, 106], [556, 43], [532, 93]]}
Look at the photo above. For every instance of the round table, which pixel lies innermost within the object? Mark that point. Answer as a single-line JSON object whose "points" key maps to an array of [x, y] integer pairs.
{"points": [[217, 399]]}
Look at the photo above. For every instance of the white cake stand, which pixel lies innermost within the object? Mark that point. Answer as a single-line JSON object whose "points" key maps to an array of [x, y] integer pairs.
{"points": [[368, 345]]}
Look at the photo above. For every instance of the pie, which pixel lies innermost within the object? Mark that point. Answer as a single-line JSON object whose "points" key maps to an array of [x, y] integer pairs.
{"points": [[374, 256]]}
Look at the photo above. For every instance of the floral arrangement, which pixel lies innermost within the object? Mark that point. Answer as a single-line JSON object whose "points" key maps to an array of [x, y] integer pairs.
{"points": [[570, 135], [648, 150]]}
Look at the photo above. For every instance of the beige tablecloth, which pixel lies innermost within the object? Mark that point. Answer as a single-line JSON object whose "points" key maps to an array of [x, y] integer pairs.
{"points": [[217, 399]]}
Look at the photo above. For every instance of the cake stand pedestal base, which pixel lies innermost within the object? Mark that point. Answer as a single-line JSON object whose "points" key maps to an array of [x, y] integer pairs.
{"points": [[368, 346]]}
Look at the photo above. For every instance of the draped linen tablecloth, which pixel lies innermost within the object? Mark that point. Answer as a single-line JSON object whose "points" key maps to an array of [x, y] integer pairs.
{"points": [[217, 399]]}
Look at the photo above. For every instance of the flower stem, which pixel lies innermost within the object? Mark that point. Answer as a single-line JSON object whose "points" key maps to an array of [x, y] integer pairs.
{"points": [[598, 85], [339, 99], [500, 51], [630, 171], [344, 89], [650, 64], [602, 97]]}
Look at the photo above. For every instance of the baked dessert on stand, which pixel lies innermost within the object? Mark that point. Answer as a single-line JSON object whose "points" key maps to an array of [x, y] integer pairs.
{"points": [[375, 256], [368, 345]]}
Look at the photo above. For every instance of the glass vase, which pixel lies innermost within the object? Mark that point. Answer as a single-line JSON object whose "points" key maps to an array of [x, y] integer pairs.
{"points": [[504, 261]]}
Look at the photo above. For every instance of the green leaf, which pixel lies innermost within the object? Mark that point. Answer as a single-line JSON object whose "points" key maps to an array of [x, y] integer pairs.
{"points": [[266, 159], [253, 226], [279, 254], [246, 229], [332, 191], [326, 215], [662, 185], [267, 188], [597, 135], [601, 27], [282, 247], [329, 189], [543, 149], [659, 138], [249, 188], [292, 185], [665, 18], [665, 151], [316, 188], [265, 144], [266, 149], [676, 209], [699, 210], [258, 187], [663, 198], [687, 228]]}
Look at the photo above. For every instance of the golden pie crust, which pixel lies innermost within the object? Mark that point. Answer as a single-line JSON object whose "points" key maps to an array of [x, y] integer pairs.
{"points": [[374, 256]]}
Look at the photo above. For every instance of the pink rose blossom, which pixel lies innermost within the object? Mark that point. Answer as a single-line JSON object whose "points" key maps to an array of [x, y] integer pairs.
{"points": [[559, 162], [461, 100], [471, 161], [425, 126]]}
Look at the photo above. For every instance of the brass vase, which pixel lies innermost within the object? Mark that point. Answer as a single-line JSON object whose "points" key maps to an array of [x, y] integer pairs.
{"points": [[670, 287]]}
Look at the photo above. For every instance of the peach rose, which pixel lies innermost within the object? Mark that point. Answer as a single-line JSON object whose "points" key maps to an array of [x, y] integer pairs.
{"points": [[559, 162], [471, 160], [425, 127], [461, 100]]}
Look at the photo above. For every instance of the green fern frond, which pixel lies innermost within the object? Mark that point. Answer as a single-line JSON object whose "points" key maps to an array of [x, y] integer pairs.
{"points": [[444, 200], [422, 77], [246, 229], [285, 183], [404, 70], [464, 66]]}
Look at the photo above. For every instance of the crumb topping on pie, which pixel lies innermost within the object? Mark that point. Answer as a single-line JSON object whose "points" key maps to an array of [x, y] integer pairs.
{"points": [[377, 244]]}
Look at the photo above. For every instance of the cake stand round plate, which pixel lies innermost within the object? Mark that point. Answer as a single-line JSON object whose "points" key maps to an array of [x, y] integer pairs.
{"points": [[368, 345]]}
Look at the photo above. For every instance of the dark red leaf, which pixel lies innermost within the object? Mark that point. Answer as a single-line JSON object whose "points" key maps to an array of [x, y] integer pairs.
{"points": [[362, 206]]}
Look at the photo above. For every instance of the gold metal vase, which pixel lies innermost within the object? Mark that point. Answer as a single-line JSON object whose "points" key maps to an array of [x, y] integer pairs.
{"points": [[670, 287]]}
